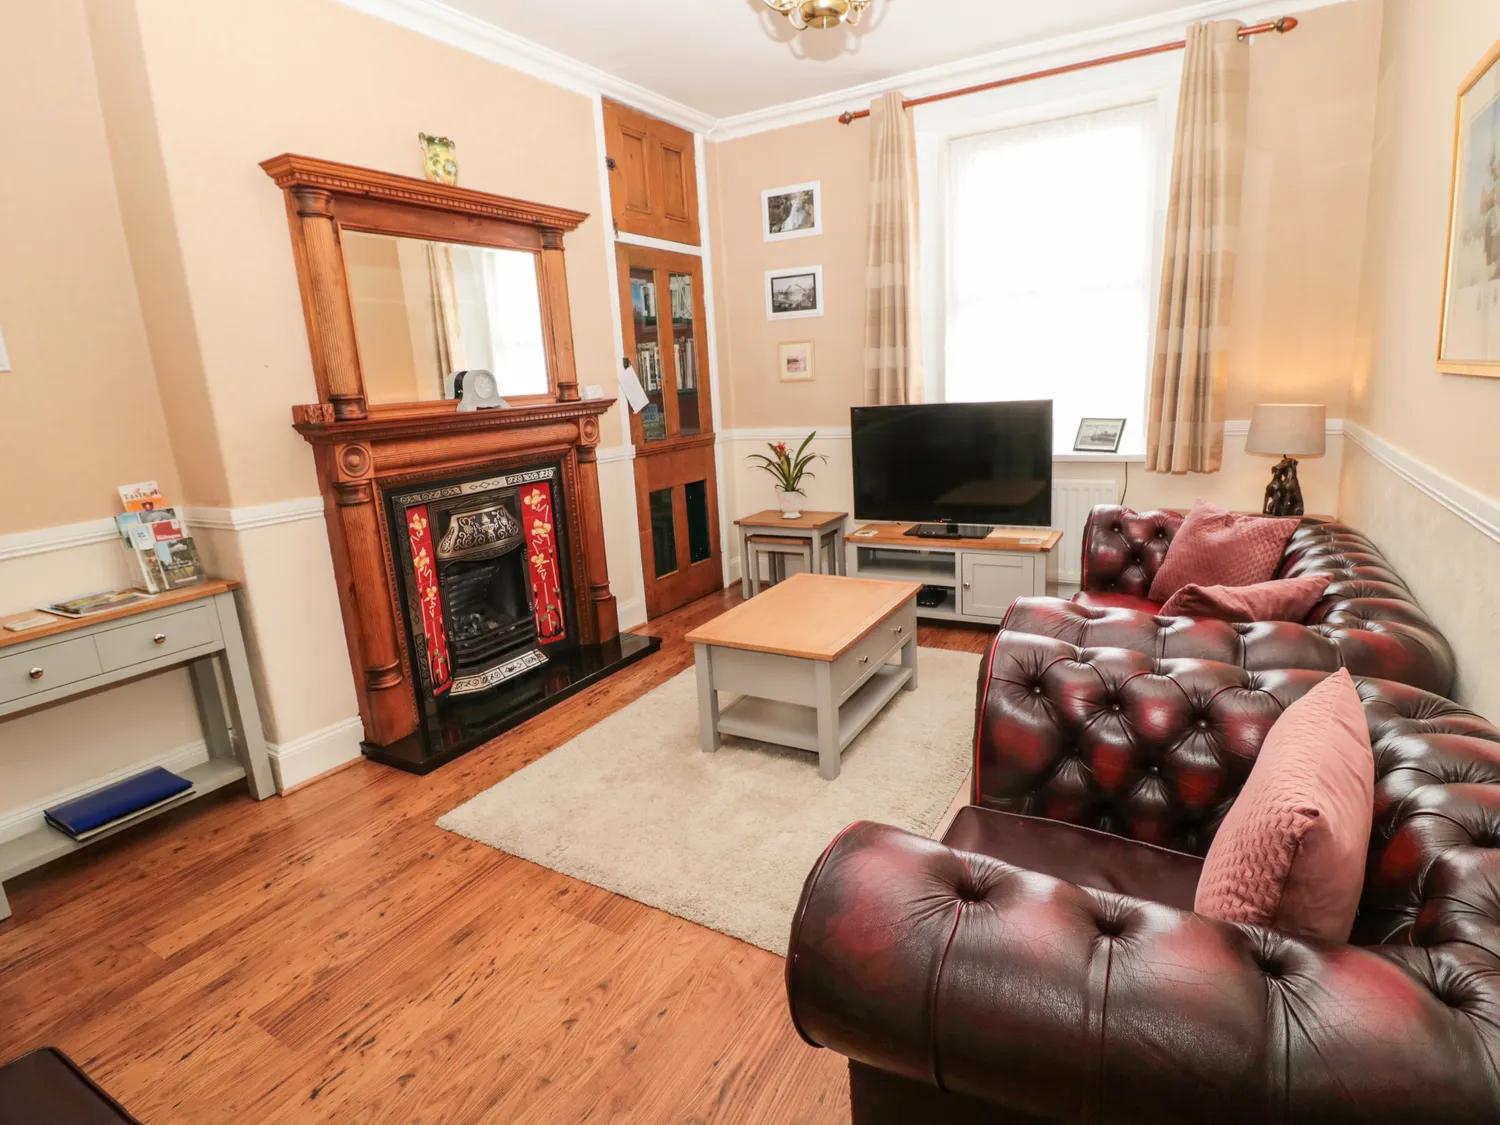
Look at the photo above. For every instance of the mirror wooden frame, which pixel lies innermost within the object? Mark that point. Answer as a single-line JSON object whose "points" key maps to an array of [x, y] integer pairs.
{"points": [[324, 198]]}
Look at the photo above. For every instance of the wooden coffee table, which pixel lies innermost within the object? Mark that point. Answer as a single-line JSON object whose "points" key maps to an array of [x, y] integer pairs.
{"points": [[808, 658]]}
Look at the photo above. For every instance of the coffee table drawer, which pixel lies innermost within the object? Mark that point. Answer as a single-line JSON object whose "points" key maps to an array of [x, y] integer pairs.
{"points": [[873, 649], [42, 669], [161, 636]]}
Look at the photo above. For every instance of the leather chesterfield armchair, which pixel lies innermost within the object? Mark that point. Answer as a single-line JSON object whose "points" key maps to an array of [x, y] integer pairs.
{"points": [[1367, 620], [1041, 963]]}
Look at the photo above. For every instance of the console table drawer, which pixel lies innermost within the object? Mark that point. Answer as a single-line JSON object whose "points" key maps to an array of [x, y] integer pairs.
{"points": [[161, 636], [48, 667]]}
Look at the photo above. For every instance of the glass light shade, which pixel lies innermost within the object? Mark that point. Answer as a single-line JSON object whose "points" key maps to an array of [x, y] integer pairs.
{"points": [[1288, 429]]}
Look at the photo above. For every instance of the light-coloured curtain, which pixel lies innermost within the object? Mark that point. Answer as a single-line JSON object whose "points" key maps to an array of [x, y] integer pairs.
{"points": [[1185, 418], [445, 323], [893, 330]]}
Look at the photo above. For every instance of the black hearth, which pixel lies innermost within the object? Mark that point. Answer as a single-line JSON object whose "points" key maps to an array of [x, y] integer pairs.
{"points": [[489, 610]]}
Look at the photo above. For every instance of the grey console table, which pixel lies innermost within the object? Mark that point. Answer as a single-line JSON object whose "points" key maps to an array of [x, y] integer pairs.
{"points": [[195, 626]]}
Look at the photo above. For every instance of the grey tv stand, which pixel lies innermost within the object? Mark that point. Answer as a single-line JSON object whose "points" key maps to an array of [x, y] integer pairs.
{"points": [[984, 575]]}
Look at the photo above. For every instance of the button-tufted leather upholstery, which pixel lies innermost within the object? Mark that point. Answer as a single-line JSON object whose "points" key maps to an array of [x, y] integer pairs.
{"points": [[1366, 621], [966, 988]]}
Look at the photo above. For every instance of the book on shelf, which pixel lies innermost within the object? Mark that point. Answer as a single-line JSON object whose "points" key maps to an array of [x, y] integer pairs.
{"points": [[117, 804]]}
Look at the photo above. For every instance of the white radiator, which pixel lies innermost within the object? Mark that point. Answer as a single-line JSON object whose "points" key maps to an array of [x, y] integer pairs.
{"points": [[1072, 500]]}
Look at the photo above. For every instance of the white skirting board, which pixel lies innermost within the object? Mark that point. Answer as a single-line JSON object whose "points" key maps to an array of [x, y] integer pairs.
{"points": [[311, 755]]}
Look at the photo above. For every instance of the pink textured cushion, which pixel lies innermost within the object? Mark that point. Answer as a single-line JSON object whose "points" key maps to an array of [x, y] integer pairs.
{"points": [[1290, 854], [1283, 599], [1215, 547]]}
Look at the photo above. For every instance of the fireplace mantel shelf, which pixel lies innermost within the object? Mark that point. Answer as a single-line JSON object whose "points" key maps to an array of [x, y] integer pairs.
{"points": [[316, 422]]}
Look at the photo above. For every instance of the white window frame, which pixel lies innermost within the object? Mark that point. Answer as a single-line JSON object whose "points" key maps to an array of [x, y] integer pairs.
{"points": [[1155, 80]]}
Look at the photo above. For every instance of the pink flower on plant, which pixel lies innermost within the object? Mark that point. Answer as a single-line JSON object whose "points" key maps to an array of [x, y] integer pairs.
{"points": [[781, 449]]}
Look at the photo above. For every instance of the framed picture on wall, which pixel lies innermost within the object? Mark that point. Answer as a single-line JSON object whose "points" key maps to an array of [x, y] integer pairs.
{"points": [[1099, 435], [796, 362], [794, 292], [1469, 340], [792, 212]]}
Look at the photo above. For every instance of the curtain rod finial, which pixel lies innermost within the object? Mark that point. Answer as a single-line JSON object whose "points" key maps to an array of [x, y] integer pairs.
{"points": [[1285, 24]]}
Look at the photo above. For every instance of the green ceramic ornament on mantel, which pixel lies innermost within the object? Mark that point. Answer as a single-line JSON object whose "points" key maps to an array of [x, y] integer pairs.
{"points": [[438, 162]]}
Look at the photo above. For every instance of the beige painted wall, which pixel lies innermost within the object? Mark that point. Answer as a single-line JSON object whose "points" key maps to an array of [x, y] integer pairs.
{"points": [[1444, 422], [235, 84], [150, 302], [1295, 314], [750, 393], [1447, 421], [1307, 168], [81, 408], [1312, 108]]}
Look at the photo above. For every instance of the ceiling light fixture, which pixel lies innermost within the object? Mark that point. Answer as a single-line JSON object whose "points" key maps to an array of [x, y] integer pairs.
{"points": [[803, 14]]}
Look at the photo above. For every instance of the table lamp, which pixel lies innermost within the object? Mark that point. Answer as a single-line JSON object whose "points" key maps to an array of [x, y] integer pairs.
{"points": [[1287, 430]]}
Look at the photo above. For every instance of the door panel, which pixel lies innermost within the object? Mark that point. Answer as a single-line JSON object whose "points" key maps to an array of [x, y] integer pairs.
{"points": [[635, 176], [661, 302], [991, 582], [653, 178]]}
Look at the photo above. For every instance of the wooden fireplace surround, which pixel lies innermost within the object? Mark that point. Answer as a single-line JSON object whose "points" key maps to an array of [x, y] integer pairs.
{"points": [[361, 449]]}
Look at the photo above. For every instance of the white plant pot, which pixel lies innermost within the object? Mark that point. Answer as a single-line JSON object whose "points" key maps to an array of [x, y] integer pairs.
{"points": [[791, 504]]}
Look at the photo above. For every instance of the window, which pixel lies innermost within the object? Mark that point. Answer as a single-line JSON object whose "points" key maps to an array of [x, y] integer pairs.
{"points": [[1050, 232]]}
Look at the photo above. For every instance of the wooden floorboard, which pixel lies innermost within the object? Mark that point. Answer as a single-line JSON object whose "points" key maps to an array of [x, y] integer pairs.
{"points": [[332, 955]]}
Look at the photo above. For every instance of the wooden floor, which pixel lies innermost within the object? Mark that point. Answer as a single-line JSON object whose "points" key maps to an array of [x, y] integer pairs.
{"points": [[333, 955]]}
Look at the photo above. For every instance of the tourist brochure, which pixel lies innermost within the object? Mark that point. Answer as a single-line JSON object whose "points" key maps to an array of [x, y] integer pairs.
{"points": [[163, 551], [142, 497], [90, 604]]}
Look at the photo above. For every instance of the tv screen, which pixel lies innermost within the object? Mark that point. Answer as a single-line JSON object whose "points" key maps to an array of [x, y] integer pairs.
{"points": [[967, 462]]}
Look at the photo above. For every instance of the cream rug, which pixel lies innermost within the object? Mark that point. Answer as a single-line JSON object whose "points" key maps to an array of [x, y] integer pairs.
{"points": [[633, 804]]}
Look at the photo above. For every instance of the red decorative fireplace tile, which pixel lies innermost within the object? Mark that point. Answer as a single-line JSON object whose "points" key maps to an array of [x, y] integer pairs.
{"points": [[419, 534], [542, 562]]}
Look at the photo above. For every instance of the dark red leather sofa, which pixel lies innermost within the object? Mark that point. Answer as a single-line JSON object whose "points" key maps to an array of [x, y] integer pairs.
{"points": [[1367, 621], [1041, 963]]}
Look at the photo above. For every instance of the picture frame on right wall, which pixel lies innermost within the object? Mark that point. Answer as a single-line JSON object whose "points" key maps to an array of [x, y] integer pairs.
{"points": [[794, 211], [794, 292], [1469, 338]]}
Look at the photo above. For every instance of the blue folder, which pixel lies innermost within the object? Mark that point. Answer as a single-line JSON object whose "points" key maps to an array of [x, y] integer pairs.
{"points": [[114, 802]]}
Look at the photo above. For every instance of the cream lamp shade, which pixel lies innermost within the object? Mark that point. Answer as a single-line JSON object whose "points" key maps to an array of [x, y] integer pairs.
{"points": [[1288, 429]]}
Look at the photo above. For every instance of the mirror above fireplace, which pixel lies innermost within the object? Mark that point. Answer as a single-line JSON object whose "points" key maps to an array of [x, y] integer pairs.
{"points": [[425, 310], [405, 282]]}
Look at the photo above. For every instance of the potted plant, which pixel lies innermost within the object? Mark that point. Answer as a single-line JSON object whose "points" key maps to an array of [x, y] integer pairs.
{"points": [[790, 470]]}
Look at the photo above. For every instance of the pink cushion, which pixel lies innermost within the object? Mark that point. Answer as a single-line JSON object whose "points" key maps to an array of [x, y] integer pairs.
{"points": [[1283, 599], [1215, 547], [1290, 854], [1098, 599]]}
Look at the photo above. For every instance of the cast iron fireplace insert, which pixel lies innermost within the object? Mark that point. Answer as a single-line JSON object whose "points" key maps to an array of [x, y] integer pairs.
{"points": [[488, 608]]}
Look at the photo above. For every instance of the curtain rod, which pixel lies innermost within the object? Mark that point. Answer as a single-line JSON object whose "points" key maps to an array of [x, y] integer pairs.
{"points": [[1281, 27]]}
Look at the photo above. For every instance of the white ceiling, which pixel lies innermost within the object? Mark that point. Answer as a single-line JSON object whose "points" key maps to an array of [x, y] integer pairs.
{"points": [[728, 57]]}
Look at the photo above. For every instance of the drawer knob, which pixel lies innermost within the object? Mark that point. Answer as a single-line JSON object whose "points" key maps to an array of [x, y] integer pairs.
{"points": [[864, 660], [966, 585], [159, 639], [35, 673], [900, 629]]}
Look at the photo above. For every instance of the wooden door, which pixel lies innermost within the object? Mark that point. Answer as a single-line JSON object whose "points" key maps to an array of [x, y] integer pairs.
{"points": [[677, 490], [653, 175]]}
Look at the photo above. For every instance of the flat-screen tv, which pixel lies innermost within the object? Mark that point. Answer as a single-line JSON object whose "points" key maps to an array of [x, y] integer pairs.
{"points": [[961, 462]]}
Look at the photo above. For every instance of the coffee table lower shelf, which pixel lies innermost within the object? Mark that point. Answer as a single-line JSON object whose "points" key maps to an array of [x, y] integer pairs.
{"points": [[791, 724]]}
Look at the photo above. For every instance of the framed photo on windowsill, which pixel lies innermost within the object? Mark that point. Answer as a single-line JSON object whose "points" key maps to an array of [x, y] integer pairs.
{"points": [[1099, 435]]}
